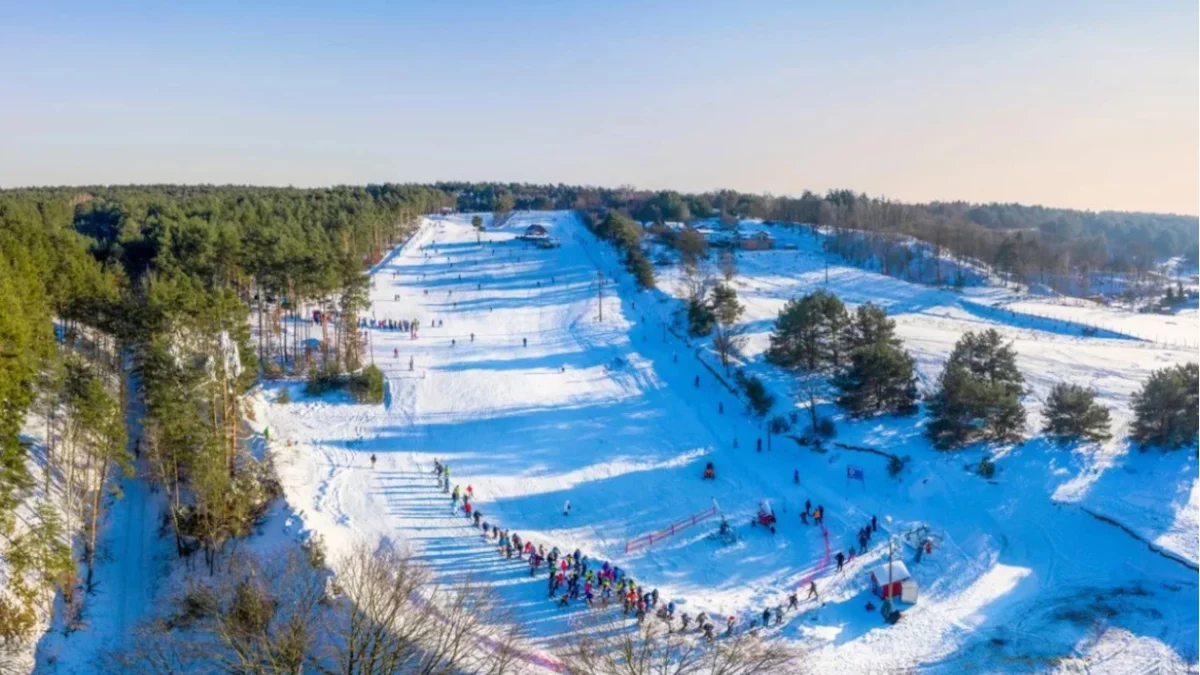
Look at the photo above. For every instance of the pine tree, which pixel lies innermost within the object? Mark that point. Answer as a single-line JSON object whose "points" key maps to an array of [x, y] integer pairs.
{"points": [[641, 267], [1166, 408], [879, 379], [700, 317], [984, 355], [978, 397], [870, 325], [810, 333], [1072, 413], [727, 311], [726, 307]]}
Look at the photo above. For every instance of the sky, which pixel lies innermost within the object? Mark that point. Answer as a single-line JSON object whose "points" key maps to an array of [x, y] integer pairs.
{"points": [[1090, 105]]}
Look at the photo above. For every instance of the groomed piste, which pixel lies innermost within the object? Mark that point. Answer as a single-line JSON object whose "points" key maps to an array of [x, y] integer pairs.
{"points": [[589, 434]]}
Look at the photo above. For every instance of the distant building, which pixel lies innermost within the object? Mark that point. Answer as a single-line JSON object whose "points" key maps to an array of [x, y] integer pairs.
{"points": [[536, 231], [717, 238], [759, 241]]}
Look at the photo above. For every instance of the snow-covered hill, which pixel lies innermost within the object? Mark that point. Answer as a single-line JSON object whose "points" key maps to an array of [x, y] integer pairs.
{"points": [[533, 401]]}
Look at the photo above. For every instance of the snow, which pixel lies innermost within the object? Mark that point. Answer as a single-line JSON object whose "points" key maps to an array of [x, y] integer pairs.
{"points": [[605, 414], [897, 572]]}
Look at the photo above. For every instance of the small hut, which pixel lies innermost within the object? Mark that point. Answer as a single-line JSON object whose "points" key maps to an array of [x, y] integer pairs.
{"points": [[902, 585]]}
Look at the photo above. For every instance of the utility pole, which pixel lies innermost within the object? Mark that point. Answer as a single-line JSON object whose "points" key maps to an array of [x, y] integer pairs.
{"points": [[600, 293], [885, 607]]}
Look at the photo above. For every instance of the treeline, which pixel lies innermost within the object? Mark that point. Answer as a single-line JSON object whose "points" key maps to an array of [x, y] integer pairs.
{"points": [[979, 395], [626, 236], [1063, 248], [71, 378], [168, 281]]}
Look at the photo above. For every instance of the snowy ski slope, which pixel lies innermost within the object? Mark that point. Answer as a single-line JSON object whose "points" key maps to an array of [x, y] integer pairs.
{"points": [[606, 414]]}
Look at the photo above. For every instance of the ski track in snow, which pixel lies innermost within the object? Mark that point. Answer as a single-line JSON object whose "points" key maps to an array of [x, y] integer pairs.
{"points": [[623, 433]]}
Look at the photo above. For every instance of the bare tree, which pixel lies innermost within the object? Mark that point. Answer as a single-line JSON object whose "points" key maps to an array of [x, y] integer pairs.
{"points": [[728, 262], [728, 340], [399, 621], [653, 648], [745, 654]]}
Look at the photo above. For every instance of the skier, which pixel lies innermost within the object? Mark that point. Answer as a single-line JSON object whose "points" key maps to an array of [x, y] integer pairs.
{"points": [[778, 614], [812, 591], [874, 524], [478, 515], [840, 560], [793, 601], [684, 620], [372, 460], [819, 515], [452, 342], [807, 506], [766, 616], [472, 337], [758, 445], [524, 342], [567, 509], [796, 477], [729, 626], [410, 363]]}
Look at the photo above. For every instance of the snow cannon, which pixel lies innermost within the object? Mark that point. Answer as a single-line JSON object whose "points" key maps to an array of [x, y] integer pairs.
{"points": [[765, 516]]}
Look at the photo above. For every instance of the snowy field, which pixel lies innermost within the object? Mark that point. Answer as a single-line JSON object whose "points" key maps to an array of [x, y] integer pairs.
{"points": [[533, 401]]}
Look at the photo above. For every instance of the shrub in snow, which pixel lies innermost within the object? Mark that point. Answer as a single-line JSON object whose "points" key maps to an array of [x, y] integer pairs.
{"points": [[321, 380], [314, 550], [826, 428], [896, 465], [284, 396], [367, 386], [986, 468]]}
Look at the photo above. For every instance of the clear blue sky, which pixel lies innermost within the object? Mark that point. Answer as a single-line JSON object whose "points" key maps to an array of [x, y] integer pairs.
{"points": [[1089, 104]]}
